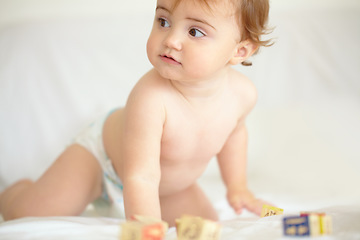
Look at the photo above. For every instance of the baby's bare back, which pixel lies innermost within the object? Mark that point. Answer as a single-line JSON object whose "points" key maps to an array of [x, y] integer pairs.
{"points": [[194, 131]]}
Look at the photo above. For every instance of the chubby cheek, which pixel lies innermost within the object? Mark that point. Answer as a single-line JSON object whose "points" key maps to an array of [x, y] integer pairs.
{"points": [[202, 65], [151, 49]]}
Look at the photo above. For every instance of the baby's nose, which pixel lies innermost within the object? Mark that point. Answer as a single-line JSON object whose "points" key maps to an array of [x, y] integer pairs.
{"points": [[173, 40]]}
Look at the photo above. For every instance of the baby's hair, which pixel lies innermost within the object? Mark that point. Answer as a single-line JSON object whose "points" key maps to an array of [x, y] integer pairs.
{"points": [[252, 18]]}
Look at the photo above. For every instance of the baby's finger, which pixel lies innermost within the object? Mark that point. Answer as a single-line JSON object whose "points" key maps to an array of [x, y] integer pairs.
{"points": [[256, 206], [236, 204], [238, 211]]}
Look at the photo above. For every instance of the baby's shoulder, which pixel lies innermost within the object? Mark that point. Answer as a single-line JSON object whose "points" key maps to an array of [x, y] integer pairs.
{"points": [[150, 87], [243, 87], [147, 97]]}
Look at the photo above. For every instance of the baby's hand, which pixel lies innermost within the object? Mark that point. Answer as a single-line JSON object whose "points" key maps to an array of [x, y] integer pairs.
{"points": [[240, 199]]}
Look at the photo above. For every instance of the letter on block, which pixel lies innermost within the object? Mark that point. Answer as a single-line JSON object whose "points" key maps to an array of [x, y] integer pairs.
{"points": [[268, 211], [191, 228]]}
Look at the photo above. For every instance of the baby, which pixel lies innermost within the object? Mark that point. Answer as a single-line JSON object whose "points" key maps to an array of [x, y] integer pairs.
{"points": [[192, 106]]}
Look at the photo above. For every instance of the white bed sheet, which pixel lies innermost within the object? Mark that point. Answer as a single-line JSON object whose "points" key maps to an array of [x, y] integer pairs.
{"points": [[345, 220], [61, 66]]}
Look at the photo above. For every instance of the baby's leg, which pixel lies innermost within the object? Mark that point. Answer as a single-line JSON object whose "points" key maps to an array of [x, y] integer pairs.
{"points": [[191, 201], [65, 189]]}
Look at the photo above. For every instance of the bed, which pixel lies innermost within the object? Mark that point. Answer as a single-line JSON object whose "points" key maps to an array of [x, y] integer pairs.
{"points": [[62, 63]]}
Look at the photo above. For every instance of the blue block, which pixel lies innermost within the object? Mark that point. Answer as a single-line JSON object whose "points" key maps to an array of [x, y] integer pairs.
{"points": [[296, 226]]}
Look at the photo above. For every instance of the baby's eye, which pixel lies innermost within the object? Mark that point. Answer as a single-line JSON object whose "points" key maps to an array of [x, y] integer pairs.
{"points": [[196, 33], [164, 23]]}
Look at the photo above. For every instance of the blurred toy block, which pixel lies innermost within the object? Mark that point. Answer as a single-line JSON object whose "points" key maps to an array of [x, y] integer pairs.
{"points": [[296, 226], [268, 211], [325, 221], [143, 228], [191, 228], [308, 224]]}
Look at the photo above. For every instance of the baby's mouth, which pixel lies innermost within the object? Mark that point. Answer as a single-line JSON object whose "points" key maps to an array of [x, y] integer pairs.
{"points": [[169, 59]]}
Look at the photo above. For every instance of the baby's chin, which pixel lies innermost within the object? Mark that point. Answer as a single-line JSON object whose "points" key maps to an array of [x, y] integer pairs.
{"points": [[166, 74]]}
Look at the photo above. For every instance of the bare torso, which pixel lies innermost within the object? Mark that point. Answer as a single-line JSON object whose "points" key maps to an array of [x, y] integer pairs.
{"points": [[192, 135]]}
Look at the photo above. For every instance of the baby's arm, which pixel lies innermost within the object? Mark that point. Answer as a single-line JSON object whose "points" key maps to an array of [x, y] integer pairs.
{"points": [[233, 161], [143, 125]]}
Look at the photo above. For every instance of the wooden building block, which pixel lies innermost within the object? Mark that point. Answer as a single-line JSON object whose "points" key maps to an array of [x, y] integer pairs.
{"points": [[305, 225], [197, 228], [325, 221], [296, 226], [143, 228], [268, 211]]}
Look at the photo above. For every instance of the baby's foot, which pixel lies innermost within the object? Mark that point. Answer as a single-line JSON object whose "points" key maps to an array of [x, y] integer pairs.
{"points": [[9, 193]]}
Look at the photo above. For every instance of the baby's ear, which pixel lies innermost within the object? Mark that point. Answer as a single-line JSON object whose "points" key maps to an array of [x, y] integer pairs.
{"points": [[243, 51]]}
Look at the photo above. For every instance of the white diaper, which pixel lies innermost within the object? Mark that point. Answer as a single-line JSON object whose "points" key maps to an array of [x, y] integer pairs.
{"points": [[91, 139]]}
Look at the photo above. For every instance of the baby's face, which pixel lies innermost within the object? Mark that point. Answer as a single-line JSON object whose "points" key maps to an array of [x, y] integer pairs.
{"points": [[192, 42]]}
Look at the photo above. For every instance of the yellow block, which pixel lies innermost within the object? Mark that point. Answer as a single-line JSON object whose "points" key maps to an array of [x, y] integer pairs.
{"points": [[268, 211], [326, 224]]}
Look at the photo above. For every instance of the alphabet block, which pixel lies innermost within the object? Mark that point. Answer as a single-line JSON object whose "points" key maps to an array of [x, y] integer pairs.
{"points": [[191, 228], [296, 226], [308, 224], [268, 211], [143, 228], [325, 221]]}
